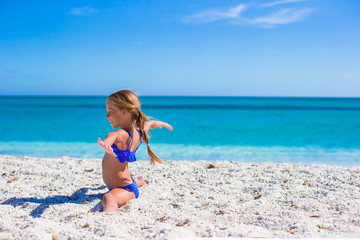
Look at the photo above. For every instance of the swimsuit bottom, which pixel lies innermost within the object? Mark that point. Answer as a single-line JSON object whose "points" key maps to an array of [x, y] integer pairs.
{"points": [[132, 187]]}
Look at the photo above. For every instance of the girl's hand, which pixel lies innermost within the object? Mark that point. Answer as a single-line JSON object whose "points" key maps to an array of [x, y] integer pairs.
{"points": [[107, 148], [168, 126]]}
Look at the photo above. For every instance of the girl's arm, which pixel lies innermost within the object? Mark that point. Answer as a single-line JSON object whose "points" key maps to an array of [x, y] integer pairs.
{"points": [[108, 141], [156, 124]]}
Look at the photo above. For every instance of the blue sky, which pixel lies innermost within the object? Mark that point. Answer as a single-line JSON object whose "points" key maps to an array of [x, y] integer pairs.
{"points": [[197, 47]]}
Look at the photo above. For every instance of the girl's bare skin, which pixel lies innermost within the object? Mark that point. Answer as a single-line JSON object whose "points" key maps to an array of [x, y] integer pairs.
{"points": [[116, 174], [123, 111]]}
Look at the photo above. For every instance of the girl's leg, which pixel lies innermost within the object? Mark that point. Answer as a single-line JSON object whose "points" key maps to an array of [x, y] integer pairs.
{"points": [[114, 199]]}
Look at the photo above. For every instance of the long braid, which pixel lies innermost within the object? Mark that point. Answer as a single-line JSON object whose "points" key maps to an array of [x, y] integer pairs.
{"points": [[140, 123]]}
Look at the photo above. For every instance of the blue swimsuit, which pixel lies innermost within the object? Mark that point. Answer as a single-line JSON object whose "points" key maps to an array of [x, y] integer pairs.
{"points": [[127, 155]]}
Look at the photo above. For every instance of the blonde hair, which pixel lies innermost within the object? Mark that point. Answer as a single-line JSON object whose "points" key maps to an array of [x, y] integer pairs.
{"points": [[126, 99]]}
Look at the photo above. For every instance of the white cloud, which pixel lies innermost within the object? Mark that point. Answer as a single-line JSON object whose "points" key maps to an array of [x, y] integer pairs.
{"points": [[271, 4], [213, 15], [83, 11], [283, 16], [235, 15]]}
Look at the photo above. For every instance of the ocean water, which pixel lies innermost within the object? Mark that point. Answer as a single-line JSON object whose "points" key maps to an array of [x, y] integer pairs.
{"points": [[246, 129]]}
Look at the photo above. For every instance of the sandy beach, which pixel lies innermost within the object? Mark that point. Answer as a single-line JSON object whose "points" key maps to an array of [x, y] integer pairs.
{"points": [[43, 198]]}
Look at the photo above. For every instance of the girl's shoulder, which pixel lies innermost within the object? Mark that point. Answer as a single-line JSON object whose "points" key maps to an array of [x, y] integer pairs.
{"points": [[121, 135]]}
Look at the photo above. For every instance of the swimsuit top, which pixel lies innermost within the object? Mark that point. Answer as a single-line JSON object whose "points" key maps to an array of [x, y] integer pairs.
{"points": [[126, 155]]}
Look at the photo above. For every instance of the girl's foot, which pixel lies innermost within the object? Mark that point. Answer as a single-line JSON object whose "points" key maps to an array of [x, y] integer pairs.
{"points": [[141, 181]]}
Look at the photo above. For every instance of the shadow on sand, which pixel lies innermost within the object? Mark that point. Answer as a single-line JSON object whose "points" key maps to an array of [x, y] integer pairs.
{"points": [[78, 197]]}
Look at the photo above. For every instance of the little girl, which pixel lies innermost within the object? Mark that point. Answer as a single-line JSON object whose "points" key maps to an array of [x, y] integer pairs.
{"points": [[123, 110]]}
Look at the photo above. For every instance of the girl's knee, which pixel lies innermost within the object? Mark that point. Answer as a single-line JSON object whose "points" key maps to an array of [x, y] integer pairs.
{"points": [[117, 199], [109, 200], [108, 197], [109, 203]]}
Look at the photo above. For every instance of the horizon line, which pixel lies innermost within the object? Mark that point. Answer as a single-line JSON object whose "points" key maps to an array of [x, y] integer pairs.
{"points": [[185, 96]]}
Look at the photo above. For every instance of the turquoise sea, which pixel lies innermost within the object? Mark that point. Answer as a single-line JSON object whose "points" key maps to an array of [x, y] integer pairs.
{"points": [[246, 129]]}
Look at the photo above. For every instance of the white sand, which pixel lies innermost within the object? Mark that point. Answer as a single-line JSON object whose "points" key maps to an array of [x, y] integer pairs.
{"points": [[57, 198]]}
